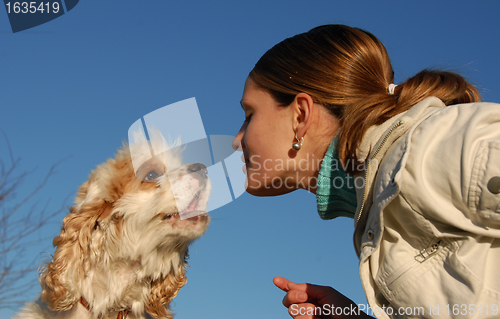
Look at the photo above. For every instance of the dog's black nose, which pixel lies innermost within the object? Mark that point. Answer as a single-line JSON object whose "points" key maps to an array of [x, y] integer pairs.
{"points": [[198, 167]]}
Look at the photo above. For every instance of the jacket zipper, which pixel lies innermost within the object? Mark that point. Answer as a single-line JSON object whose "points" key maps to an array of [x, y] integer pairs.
{"points": [[394, 281], [425, 253], [365, 193]]}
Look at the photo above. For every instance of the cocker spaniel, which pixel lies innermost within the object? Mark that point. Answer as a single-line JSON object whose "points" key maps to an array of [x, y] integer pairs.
{"points": [[123, 247]]}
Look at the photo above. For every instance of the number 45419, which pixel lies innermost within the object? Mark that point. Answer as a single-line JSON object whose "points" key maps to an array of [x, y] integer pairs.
{"points": [[32, 7]]}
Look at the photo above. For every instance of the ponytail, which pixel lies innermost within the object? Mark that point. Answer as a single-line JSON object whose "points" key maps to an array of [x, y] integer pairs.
{"points": [[375, 109], [450, 87]]}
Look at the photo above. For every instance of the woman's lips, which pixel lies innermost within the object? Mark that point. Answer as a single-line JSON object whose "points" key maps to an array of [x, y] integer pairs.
{"points": [[244, 160]]}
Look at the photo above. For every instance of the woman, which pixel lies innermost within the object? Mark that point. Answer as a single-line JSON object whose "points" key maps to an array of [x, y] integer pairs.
{"points": [[416, 168]]}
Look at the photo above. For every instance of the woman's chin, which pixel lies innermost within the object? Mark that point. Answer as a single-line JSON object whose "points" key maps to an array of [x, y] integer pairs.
{"points": [[261, 189]]}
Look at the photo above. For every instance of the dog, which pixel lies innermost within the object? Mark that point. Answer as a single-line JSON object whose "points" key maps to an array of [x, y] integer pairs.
{"points": [[123, 247]]}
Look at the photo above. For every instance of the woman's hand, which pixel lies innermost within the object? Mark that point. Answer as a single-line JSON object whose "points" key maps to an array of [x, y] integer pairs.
{"points": [[307, 301]]}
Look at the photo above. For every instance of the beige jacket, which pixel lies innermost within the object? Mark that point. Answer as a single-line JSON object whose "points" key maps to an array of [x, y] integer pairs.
{"points": [[428, 219]]}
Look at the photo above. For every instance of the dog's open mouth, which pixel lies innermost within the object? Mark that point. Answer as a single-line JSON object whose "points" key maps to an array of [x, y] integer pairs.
{"points": [[191, 210], [192, 205]]}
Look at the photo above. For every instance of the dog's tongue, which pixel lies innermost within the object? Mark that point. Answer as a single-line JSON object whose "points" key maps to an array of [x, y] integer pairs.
{"points": [[191, 211], [193, 204]]}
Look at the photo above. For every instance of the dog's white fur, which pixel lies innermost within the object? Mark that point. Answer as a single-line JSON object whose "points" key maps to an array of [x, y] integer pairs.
{"points": [[123, 245]]}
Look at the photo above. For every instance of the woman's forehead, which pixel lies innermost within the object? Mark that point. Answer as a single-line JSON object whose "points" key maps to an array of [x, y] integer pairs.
{"points": [[252, 93]]}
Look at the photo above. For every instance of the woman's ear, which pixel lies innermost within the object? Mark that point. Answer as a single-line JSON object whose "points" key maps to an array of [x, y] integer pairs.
{"points": [[303, 114]]}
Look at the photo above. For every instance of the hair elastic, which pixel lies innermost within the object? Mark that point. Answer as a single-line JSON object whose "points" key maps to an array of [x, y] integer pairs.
{"points": [[391, 88]]}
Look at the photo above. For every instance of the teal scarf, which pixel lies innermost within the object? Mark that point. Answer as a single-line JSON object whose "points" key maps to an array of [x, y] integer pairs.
{"points": [[336, 194]]}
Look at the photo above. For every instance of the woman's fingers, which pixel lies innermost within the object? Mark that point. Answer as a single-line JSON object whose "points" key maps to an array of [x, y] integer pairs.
{"points": [[320, 294], [308, 301], [281, 283], [294, 297]]}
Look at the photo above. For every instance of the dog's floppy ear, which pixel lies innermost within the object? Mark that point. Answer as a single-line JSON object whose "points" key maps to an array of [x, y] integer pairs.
{"points": [[163, 290], [105, 211], [62, 278]]}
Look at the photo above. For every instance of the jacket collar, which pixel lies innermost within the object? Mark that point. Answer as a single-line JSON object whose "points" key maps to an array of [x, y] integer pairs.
{"points": [[373, 148]]}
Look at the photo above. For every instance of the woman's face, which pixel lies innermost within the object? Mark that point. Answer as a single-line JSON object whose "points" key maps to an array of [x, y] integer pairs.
{"points": [[266, 138]]}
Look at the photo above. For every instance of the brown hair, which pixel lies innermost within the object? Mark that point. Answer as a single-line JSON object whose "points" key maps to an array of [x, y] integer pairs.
{"points": [[348, 71]]}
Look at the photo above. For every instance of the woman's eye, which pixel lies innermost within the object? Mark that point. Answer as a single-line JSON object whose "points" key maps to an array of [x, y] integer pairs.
{"points": [[247, 119], [152, 176]]}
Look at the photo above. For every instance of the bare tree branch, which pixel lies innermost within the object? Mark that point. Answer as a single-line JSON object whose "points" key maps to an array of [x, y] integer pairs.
{"points": [[18, 223]]}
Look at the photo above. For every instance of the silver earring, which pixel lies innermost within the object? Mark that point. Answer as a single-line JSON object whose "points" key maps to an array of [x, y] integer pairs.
{"points": [[296, 146]]}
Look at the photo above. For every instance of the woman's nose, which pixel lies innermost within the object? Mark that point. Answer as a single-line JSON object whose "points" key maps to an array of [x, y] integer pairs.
{"points": [[236, 144], [238, 140]]}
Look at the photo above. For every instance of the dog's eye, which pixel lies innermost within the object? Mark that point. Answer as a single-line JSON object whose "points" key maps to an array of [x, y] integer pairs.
{"points": [[152, 176]]}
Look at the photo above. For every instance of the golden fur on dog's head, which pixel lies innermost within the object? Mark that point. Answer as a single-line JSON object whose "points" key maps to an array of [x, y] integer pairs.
{"points": [[123, 245]]}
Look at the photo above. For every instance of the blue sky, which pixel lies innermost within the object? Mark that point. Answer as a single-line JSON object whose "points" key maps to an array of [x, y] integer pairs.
{"points": [[72, 87]]}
